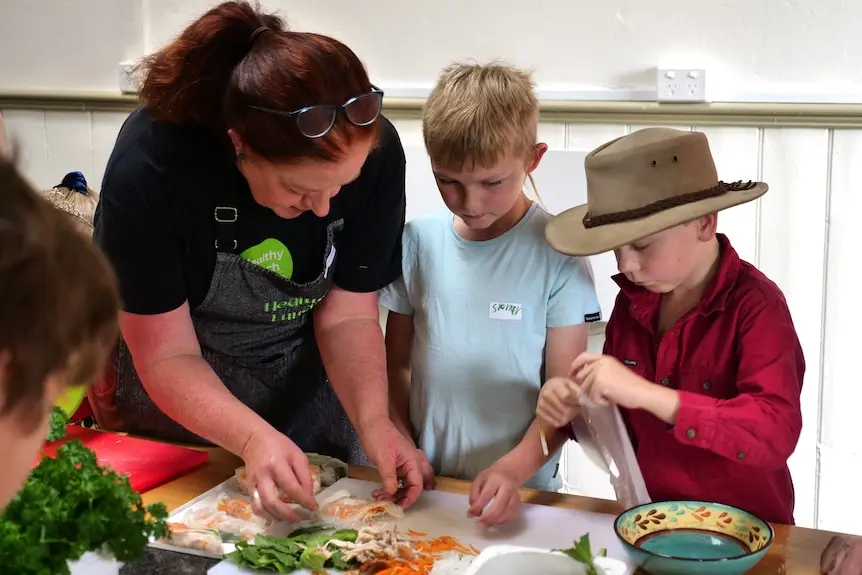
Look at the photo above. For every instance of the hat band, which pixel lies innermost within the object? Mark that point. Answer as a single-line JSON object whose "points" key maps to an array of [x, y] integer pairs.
{"points": [[664, 204]]}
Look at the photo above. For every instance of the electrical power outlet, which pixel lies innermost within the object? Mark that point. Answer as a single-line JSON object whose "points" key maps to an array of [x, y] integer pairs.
{"points": [[680, 85], [126, 78]]}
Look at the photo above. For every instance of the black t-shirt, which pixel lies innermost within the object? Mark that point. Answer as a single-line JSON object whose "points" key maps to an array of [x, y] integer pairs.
{"points": [[155, 217]]}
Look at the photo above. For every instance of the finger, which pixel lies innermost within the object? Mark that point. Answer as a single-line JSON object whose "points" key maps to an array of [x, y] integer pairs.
{"points": [[269, 500], [475, 490], [582, 360], [296, 476], [257, 506], [496, 513], [381, 495], [583, 375], [413, 484], [508, 511], [547, 415], [484, 494], [388, 474], [428, 477], [573, 390], [551, 409]]}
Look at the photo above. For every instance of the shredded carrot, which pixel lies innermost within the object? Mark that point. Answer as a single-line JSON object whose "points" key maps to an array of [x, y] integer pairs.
{"points": [[427, 553]]}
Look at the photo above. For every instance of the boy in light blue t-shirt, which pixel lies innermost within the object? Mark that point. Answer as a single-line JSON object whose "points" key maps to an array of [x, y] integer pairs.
{"points": [[485, 310]]}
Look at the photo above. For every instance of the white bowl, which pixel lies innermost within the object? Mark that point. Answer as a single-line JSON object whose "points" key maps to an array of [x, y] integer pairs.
{"points": [[513, 560], [95, 564]]}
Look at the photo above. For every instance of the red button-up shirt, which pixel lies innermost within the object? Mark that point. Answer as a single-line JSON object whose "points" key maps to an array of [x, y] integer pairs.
{"points": [[738, 366]]}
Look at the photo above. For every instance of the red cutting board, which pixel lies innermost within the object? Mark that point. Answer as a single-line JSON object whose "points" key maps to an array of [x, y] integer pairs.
{"points": [[147, 463]]}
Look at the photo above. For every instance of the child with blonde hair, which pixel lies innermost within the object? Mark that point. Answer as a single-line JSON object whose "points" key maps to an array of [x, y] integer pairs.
{"points": [[485, 309]]}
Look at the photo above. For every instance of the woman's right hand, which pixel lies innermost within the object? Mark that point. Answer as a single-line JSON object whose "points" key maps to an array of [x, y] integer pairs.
{"points": [[275, 462]]}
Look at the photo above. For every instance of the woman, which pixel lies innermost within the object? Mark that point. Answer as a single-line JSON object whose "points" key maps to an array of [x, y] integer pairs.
{"points": [[252, 207]]}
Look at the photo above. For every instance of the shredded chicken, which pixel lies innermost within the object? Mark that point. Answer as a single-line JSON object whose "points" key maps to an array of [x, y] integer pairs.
{"points": [[375, 544]]}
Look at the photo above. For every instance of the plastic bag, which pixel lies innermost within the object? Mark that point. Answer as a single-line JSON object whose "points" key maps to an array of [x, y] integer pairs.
{"points": [[602, 433]]}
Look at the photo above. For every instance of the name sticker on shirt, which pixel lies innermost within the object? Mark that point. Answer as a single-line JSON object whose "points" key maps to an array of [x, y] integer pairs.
{"points": [[505, 311]]}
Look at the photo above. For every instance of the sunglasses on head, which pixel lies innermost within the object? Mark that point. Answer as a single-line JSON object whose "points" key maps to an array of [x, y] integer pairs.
{"points": [[316, 121]]}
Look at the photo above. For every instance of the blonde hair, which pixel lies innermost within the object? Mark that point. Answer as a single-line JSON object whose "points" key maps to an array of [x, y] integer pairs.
{"points": [[77, 199], [478, 115]]}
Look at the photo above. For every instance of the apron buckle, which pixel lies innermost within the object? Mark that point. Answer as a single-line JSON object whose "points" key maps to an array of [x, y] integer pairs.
{"points": [[226, 214]]}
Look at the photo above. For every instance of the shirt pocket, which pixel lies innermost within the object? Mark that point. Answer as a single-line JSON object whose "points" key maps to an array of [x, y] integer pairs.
{"points": [[713, 381]]}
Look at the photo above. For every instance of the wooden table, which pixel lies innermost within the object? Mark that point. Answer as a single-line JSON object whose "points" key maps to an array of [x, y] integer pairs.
{"points": [[795, 551]]}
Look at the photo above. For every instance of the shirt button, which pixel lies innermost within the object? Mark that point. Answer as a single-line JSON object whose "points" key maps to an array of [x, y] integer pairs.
{"points": [[665, 381], [691, 433], [707, 385], [740, 455]]}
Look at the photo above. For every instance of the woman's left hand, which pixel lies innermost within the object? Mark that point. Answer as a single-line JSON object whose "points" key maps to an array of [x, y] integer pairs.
{"points": [[603, 379], [398, 461]]}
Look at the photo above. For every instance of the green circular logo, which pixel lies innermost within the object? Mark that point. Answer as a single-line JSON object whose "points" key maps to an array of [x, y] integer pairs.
{"points": [[272, 255]]}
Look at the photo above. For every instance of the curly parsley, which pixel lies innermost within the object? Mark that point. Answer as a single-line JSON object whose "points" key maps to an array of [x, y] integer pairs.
{"points": [[57, 424], [70, 505]]}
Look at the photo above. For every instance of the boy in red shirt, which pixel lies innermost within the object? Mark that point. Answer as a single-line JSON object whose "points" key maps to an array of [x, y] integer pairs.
{"points": [[700, 352]]}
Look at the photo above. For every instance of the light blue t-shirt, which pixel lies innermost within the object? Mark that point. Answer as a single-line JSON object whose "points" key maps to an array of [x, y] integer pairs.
{"points": [[481, 311]]}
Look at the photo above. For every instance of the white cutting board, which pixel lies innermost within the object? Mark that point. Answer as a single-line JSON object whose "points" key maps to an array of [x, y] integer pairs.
{"points": [[440, 513]]}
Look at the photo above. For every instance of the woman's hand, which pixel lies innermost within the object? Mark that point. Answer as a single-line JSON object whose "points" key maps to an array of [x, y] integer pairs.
{"points": [[275, 462], [497, 484], [403, 471], [843, 556]]}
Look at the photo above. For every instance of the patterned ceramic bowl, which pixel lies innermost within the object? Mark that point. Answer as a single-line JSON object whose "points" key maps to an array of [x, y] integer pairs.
{"points": [[693, 538]]}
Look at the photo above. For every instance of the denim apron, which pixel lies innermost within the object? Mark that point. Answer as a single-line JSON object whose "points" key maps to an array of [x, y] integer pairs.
{"points": [[256, 331]]}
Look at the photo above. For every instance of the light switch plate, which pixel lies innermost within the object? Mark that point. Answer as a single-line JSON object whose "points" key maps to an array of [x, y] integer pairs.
{"points": [[126, 78]]}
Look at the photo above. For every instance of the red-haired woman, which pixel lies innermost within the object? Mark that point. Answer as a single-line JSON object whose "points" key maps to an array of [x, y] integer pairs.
{"points": [[252, 207]]}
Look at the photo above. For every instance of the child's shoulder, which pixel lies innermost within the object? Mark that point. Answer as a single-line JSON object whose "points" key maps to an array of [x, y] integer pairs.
{"points": [[428, 223], [753, 285], [753, 289], [534, 233], [427, 228]]}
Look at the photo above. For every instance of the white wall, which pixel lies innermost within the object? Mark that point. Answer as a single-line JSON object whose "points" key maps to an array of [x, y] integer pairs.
{"points": [[801, 233], [769, 46]]}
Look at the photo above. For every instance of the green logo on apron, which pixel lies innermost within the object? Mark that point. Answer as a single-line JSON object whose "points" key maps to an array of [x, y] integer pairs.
{"points": [[272, 255]]}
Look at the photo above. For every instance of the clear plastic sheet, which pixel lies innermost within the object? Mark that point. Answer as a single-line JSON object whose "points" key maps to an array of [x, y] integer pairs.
{"points": [[602, 433]]}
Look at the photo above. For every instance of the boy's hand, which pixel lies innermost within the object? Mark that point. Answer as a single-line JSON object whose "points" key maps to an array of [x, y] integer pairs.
{"points": [[843, 556], [558, 402], [603, 379], [499, 485]]}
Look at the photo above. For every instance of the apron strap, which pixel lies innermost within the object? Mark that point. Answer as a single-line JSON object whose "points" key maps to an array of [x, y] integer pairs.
{"points": [[226, 212], [225, 223]]}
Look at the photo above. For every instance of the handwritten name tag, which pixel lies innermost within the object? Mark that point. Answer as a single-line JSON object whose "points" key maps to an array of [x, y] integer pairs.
{"points": [[505, 311]]}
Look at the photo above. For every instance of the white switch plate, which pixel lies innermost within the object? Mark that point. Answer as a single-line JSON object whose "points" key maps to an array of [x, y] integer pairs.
{"points": [[680, 85], [126, 77]]}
